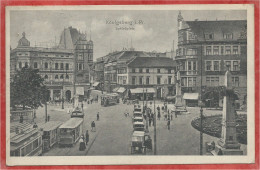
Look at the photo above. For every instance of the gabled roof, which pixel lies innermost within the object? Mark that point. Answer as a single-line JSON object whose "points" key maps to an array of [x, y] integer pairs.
{"points": [[152, 62], [218, 28]]}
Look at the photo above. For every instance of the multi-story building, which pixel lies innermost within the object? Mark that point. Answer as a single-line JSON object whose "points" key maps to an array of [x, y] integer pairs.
{"points": [[71, 38], [113, 62], [156, 74], [56, 66], [65, 67], [206, 49]]}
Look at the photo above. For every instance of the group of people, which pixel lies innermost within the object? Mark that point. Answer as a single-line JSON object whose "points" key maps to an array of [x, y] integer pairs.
{"points": [[168, 114]]}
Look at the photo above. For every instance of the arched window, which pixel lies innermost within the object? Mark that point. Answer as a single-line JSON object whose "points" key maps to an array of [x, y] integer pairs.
{"points": [[67, 77], [46, 65], [61, 76], [46, 77], [35, 65], [26, 65], [20, 65], [56, 77]]}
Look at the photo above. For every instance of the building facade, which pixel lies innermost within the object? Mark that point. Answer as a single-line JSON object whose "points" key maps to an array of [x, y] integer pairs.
{"points": [[157, 74], [56, 66], [65, 67], [206, 49]]}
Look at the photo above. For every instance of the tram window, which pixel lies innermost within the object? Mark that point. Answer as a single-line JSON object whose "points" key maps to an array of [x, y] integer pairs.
{"points": [[35, 144], [23, 152]]}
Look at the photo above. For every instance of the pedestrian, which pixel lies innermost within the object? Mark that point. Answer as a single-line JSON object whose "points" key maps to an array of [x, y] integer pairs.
{"points": [[82, 145], [98, 116], [49, 117], [82, 105], [168, 124], [91, 101], [171, 116], [87, 137], [162, 108], [150, 121], [159, 115], [158, 108], [93, 126]]}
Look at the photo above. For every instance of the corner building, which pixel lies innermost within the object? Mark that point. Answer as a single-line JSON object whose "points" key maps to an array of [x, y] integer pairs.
{"points": [[206, 49]]}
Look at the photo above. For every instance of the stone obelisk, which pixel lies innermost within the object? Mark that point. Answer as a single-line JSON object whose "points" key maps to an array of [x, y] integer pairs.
{"points": [[228, 144], [178, 99]]}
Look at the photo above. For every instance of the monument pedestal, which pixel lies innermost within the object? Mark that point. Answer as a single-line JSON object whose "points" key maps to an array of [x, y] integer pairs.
{"points": [[228, 144], [219, 150]]}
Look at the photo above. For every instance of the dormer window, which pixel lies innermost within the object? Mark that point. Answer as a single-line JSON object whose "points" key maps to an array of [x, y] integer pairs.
{"points": [[209, 36], [228, 36]]}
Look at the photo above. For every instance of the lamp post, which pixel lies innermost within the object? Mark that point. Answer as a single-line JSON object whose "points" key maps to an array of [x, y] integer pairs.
{"points": [[62, 100], [201, 109], [154, 126]]}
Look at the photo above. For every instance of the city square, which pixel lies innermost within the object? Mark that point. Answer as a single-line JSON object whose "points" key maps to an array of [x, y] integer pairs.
{"points": [[79, 97]]}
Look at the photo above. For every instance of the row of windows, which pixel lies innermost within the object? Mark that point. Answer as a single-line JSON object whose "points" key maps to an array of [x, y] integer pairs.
{"points": [[210, 81], [57, 77], [147, 70], [222, 50], [214, 65], [58, 66], [210, 50], [210, 36], [141, 80], [214, 81], [188, 81]]}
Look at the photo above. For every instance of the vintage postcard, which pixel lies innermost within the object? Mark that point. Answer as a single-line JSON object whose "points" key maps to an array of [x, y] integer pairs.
{"points": [[139, 84]]}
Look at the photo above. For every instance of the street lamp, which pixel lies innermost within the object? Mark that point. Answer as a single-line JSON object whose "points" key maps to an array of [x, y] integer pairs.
{"points": [[154, 126], [201, 109]]}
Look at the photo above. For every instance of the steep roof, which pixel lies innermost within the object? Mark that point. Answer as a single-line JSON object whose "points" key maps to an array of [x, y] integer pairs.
{"points": [[218, 28], [152, 62]]}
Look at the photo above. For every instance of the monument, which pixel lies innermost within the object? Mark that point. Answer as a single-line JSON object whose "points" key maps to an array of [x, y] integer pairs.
{"points": [[228, 144], [179, 100]]}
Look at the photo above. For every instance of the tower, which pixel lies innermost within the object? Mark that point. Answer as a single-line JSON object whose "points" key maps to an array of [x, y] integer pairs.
{"points": [[180, 20]]}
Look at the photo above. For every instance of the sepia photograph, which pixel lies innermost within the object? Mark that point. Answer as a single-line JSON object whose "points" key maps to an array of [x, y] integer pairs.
{"points": [[130, 85]]}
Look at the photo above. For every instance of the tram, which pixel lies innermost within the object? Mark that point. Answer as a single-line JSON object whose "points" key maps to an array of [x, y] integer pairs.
{"points": [[109, 99], [70, 131]]}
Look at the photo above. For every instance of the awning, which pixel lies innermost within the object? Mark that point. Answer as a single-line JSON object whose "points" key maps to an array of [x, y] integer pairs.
{"points": [[121, 90], [191, 96], [115, 89], [95, 84], [142, 90]]}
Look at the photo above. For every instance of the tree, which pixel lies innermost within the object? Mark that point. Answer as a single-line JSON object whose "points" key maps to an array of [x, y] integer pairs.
{"points": [[27, 89]]}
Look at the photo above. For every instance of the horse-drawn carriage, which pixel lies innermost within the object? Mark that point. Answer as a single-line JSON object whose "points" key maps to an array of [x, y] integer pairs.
{"points": [[140, 142]]}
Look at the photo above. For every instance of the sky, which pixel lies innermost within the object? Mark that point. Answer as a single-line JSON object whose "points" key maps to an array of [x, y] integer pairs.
{"points": [[155, 30]]}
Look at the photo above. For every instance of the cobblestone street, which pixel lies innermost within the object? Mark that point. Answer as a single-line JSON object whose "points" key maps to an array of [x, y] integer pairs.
{"points": [[114, 130]]}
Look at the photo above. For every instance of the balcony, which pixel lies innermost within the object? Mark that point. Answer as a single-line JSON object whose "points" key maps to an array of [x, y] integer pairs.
{"points": [[189, 73], [184, 57]]}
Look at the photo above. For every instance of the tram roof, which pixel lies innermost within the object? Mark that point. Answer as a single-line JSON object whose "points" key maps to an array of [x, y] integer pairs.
{"points": [[138, 133], [71, 123], [51, 125]]}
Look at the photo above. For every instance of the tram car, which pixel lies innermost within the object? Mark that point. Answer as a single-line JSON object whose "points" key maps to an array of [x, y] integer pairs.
{"points": [[50, 134], [70, 131], [109, 99], [25, 140]]}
